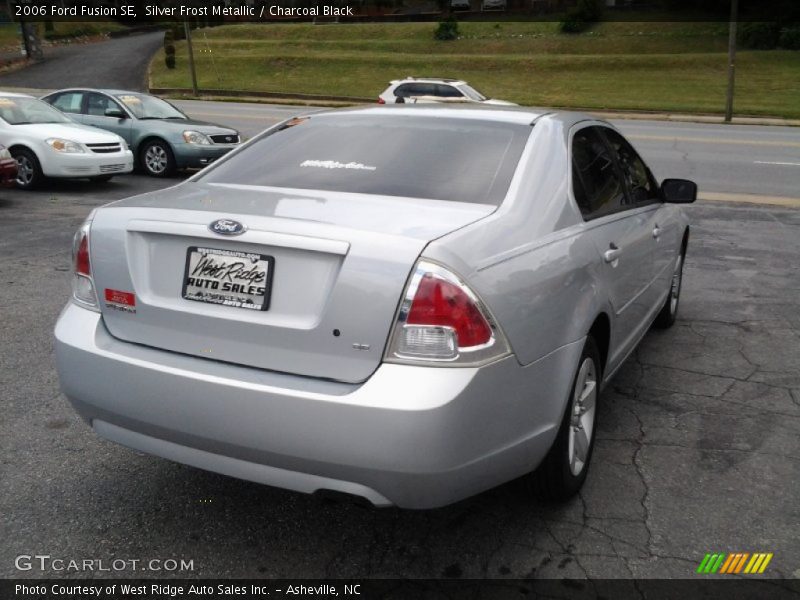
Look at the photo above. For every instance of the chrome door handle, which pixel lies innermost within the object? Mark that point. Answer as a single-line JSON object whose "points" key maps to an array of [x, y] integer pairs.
{"points": [[656, 231], [612, 254]]}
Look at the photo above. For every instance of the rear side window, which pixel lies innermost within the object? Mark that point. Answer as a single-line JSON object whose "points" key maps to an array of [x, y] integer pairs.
{"points": [[462, 160], [69, 102], [415, 89], [641, 185], [595, 180], [404, 91], [426, 89]]}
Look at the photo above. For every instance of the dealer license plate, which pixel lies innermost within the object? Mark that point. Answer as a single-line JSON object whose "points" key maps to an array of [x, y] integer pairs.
{"points": [[228, 277]]}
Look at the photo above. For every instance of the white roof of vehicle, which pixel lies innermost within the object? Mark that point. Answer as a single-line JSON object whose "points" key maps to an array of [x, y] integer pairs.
{"points": [[429, 80], [14, 95]]}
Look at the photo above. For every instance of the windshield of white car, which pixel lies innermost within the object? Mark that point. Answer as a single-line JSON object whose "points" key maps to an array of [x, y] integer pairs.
{"points": [[29, 111], [471, 93], [462, 160], [149, 107]]}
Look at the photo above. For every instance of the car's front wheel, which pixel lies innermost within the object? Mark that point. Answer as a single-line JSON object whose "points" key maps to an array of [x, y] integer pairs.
{"points": [[156, 159], [564, 469], [29, 171]]}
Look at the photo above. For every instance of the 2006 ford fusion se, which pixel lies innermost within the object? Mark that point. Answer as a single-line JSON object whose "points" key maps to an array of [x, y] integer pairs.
{"points": [[406, 304]]}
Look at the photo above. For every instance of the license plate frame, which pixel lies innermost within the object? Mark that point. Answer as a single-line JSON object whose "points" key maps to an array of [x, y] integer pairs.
{"points": [[217, 273]]}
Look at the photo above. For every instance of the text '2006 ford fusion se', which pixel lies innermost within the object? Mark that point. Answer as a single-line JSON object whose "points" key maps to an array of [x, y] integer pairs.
{"points": [[406, 304]]}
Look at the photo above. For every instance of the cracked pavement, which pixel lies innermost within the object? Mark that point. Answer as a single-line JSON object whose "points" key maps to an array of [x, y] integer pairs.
{"points": [[697, 447]]}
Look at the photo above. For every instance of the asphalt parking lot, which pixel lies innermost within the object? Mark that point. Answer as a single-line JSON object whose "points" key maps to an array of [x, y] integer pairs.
{"points": [[697, 445]]}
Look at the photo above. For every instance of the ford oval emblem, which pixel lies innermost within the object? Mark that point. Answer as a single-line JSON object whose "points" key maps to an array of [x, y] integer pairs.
{"points": [[227, 227]]}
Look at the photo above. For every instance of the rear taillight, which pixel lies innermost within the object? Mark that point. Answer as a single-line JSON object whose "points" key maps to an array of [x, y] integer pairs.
{"points": [[439, 303], [82, 283], [442, 320], [381, 100], [82, 266]]}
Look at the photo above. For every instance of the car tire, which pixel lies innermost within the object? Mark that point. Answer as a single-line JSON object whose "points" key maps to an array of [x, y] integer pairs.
{"points": [[101, 178], [563, 471], [669, 312], [156, 159], [29, 171]]}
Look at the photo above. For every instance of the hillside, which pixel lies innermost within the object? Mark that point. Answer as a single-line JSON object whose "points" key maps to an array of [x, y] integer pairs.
{"points": [[621, 65]]}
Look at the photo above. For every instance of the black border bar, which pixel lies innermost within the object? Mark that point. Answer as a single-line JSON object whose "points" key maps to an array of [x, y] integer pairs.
{"points": [[733, 588]]}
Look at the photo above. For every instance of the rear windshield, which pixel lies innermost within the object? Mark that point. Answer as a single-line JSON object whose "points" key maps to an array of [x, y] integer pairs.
{"points": [[439, 158]]}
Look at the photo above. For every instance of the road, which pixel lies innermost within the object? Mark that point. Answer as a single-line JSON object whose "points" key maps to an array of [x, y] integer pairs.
{"points": [[697, 447], [722, 159], [119, 63]]}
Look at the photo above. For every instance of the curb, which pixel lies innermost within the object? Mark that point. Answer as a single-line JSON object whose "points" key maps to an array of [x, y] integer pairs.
{"points": [[297, 98], [242, 94], [691, 118], [749, 199]]}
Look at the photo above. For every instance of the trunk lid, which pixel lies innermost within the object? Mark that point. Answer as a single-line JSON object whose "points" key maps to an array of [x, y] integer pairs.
{"points": [[339, 266]]}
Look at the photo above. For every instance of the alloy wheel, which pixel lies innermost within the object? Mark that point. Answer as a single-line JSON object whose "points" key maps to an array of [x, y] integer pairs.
{"points": [[156, 159], [25, 171], [582, 410]]}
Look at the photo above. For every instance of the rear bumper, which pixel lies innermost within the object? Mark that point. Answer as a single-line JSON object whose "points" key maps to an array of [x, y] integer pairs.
{"points": [[193, 156], [414, 437]]}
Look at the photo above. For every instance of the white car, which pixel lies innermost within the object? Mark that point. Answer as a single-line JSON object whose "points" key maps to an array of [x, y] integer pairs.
{"points": [[415, 90], [46, 143]]}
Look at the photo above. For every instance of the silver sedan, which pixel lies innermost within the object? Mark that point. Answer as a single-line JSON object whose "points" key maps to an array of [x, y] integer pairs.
{"points": [[409, 304]]}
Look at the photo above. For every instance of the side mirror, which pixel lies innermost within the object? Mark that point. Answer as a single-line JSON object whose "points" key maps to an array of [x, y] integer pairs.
{"points": [[116, 113], [679, 191], [399, 100]]}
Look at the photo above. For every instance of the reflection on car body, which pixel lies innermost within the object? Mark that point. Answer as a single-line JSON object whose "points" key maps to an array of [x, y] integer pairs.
{"points": [[431, 327]]}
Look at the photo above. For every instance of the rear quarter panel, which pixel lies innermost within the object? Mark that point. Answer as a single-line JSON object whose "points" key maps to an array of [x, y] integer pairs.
{"points": [[529, 261]]}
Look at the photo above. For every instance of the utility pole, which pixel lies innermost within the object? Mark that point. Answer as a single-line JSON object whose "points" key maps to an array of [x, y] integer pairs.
{"points": [[188, 31], [731, 60]]}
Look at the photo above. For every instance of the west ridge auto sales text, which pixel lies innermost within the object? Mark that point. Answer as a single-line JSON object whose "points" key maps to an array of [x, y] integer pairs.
{"points": [[173, 591]]}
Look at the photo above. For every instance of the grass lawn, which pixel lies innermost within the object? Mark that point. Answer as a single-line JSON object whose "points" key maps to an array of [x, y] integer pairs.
{"points": [[621, 65]]}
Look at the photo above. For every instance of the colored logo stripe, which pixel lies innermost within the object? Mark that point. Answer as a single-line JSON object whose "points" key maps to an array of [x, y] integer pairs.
{"points": [[758, 563], [738, 562], [735, 562], [704, 564], [728, 562]]}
